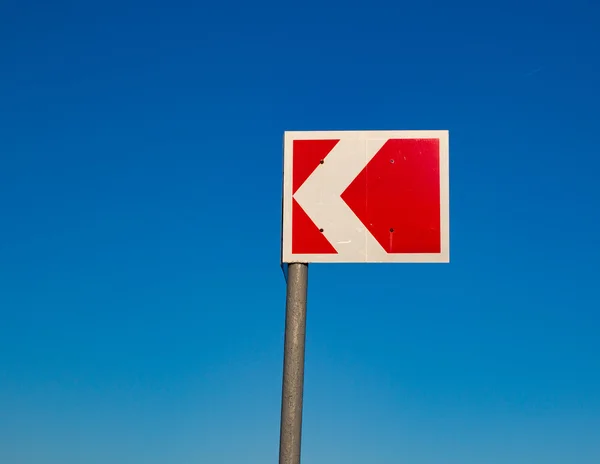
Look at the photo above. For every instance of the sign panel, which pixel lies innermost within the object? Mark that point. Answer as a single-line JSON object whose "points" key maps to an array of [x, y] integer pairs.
{"points": [[365, 196]]}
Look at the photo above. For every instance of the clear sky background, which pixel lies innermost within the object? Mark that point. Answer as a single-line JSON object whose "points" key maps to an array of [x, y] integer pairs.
{"points": [[141, 299]]}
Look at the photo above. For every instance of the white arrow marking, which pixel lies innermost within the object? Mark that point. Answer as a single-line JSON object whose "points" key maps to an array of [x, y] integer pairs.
{"points": [[320, 197]]}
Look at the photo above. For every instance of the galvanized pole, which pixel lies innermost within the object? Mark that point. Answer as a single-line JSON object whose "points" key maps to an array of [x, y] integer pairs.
{"points": [[293, 364]]}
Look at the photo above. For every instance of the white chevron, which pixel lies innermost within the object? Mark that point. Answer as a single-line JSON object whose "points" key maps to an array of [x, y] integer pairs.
{"points": [[320, 197]]}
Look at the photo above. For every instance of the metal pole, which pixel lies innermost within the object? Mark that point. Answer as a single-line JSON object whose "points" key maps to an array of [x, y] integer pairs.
{"points": [[293, 364]]}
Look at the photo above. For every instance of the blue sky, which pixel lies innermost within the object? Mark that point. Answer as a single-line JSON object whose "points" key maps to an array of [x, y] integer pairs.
{"points": [[141, 299]]}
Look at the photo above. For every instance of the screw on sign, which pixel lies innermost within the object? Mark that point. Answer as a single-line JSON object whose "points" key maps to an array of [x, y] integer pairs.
{"points": [[366, 196], [354, 196]]}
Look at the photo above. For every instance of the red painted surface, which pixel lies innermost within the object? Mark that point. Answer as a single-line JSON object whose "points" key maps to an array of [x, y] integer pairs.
{"points": [[307, 156], [306, 236], [397, 196]]}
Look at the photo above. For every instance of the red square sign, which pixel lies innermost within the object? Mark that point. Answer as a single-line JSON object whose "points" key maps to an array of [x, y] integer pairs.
{"points": [[366, 196]]}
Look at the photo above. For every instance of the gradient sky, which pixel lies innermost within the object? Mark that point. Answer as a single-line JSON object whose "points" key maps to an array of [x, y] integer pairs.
{"points": [[141, 298]]}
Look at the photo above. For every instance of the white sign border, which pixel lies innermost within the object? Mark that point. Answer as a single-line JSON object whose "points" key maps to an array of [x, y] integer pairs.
{"points": [[287, 257]]}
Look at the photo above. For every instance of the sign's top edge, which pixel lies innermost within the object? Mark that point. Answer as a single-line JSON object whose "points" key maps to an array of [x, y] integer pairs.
{"points": [[369, 130], [368, 133]]}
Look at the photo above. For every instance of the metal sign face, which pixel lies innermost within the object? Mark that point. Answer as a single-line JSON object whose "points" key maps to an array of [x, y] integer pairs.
{"points": [[366, 196]]}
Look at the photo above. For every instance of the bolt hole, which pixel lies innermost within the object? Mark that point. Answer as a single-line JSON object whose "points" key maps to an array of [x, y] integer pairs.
{"points": [[392, 229]]}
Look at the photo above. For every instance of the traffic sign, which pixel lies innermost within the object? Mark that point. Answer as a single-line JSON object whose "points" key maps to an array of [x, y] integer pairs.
{"points": [[365, 196]]}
